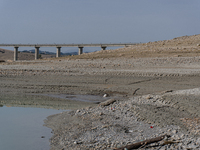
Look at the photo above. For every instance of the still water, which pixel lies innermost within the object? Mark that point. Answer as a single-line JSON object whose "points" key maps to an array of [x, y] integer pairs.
{"points": [[22, 118], [22, 128]]}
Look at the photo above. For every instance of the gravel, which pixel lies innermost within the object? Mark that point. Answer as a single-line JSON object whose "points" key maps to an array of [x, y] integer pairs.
{"points": [[125, 122]]}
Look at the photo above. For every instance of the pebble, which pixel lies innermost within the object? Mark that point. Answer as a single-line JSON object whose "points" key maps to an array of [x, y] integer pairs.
{"points": [[105, 95], [198, 141], [174, 131]]}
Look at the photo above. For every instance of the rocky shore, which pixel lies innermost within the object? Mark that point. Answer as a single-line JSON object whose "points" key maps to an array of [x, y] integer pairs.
{"points": [[129, 121]]}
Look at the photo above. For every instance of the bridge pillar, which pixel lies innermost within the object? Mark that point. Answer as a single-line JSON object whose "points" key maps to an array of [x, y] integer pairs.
{"points": [[58, 52], [37, 52], [80, 50], [103, 47], [15, 53]]}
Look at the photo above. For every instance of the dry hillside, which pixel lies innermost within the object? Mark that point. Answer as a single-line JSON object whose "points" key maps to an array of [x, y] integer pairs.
{"points": [[178, 47]]}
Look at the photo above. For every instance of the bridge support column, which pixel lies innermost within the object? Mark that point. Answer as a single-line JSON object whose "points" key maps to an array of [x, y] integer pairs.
{"points": [[103, 47], [80, 50], [37, 52], [15, 53], [58, 52]]}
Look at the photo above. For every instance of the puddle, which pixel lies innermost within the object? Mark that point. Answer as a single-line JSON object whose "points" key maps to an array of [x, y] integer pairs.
{"points": [[22, 118], [81, 98], [22, 128], [43, 101]]}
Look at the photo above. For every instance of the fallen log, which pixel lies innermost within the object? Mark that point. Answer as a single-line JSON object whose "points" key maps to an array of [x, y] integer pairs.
{"points": [[107, 102], [143, 143]]}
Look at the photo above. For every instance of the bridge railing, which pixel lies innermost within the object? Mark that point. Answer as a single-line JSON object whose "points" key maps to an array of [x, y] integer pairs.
{"points": [[68, 45]]}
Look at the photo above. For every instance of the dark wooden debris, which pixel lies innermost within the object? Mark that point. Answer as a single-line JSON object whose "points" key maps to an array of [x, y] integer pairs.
{"points": [[143, 143]]}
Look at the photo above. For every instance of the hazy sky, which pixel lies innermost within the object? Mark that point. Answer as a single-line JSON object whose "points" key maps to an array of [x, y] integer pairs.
{"points": [[97, 21]]}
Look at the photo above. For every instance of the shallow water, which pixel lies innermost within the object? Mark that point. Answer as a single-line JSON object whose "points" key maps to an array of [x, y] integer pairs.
{"points": [[22, 118], [80, 98], [22, 128]]}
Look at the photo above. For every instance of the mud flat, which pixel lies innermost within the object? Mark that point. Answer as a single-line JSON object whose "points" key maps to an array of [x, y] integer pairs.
{"points": [[153, 96]]}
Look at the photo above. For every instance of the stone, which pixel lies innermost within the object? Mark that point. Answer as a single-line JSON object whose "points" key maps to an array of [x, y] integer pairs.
{"points": [[149, 97], [198, 141], [174, 131], [105, 95], [75, 142], [192, 146], [169, 130], [181, 135], [162, 148]]}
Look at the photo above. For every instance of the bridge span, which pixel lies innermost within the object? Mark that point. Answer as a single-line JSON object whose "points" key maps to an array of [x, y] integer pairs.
{"points": [[59, 46]]}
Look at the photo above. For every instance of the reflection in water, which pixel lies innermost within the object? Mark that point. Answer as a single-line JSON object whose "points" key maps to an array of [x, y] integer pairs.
{"points": [[22, 120], [22, 128]]}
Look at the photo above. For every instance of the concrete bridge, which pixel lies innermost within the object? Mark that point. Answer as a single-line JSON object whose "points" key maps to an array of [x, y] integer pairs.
{"points": [[59, 46]]}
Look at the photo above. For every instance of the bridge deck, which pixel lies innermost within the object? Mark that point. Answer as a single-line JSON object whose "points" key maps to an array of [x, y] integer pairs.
{"points": [[66, 45]]}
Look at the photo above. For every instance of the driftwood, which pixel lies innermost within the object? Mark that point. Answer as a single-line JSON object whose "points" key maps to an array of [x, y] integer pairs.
{"points": [[143, 143], [107, 102], [135, 91], [167, 91]]}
